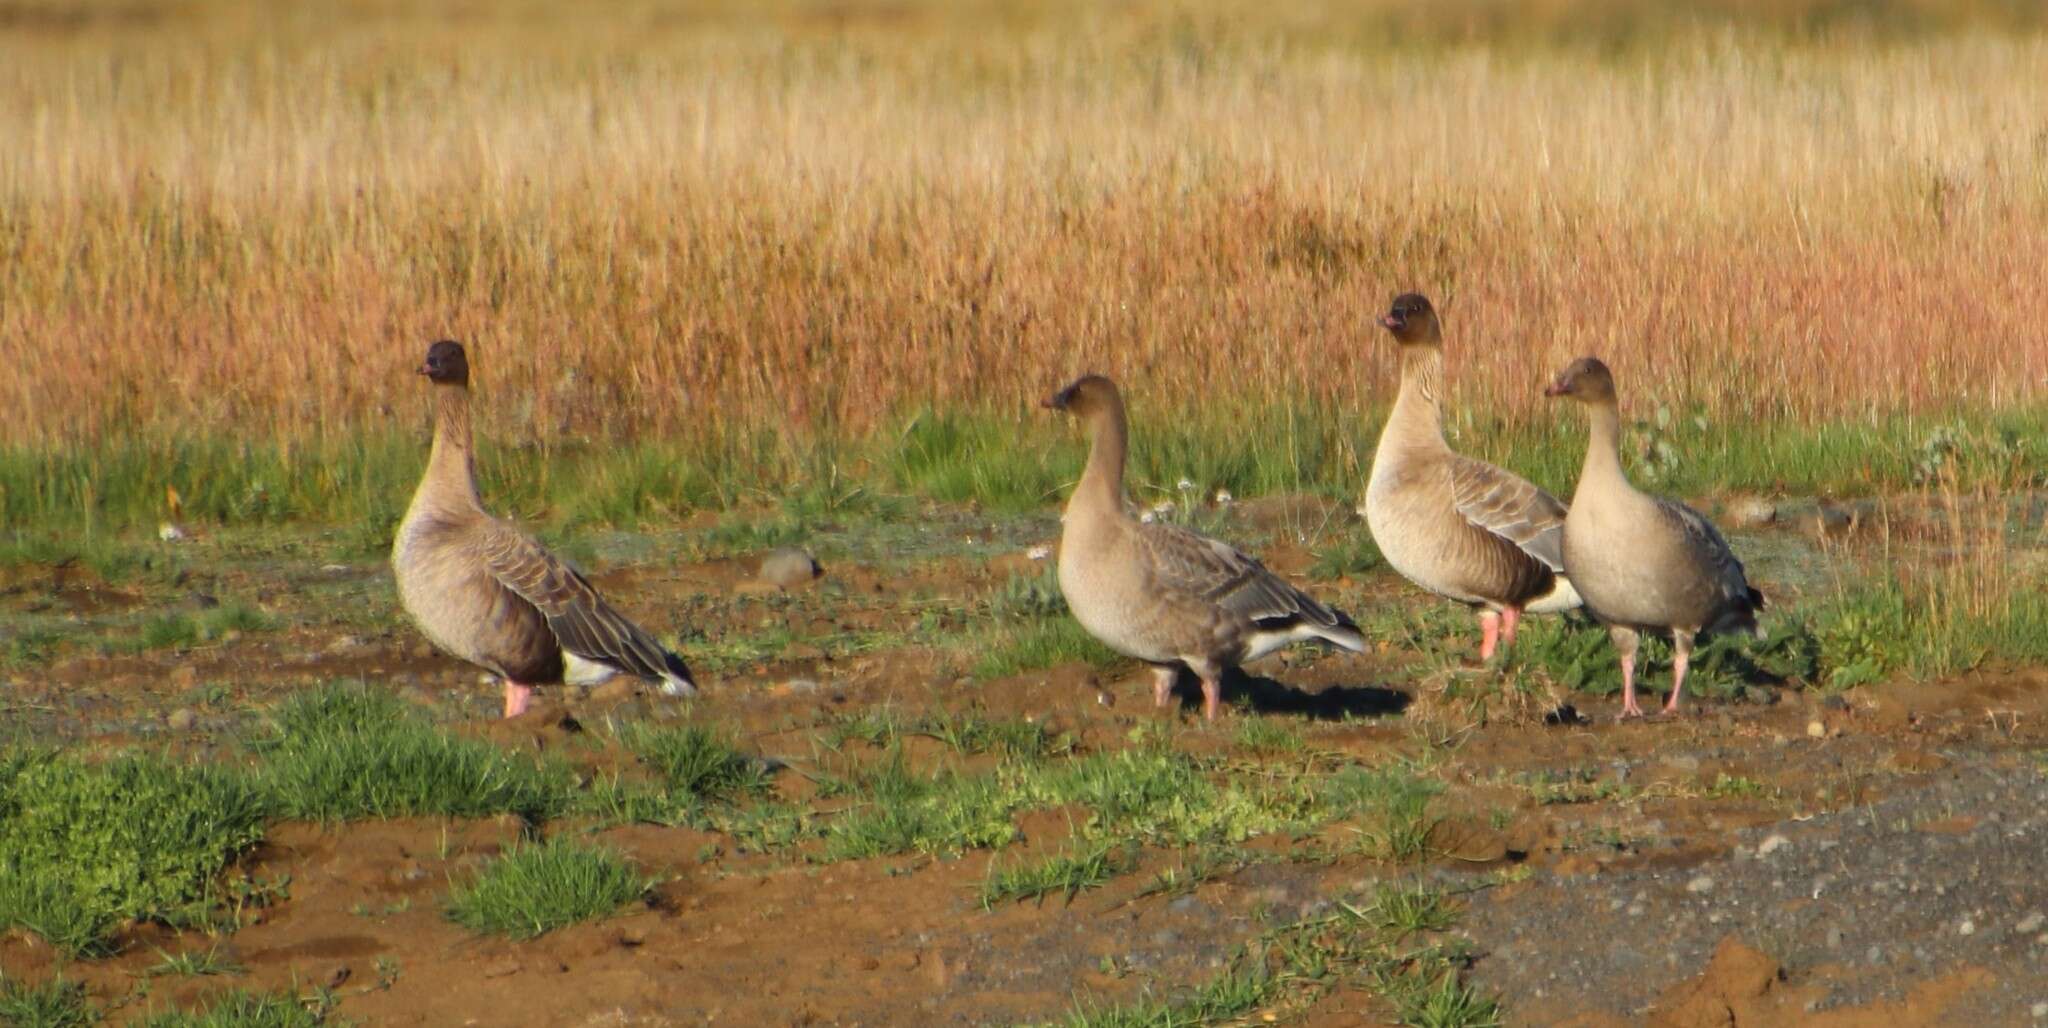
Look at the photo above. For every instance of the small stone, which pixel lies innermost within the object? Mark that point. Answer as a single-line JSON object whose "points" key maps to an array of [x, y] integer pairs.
{"points": [[1751, 512], [1772, 845], [1968, 927], [1700, 884], [1875, 955], [2041, 1011], [1834, 938], [183, 719], [1816, 730], [789, 567], [2029, 923], [1682, 762]]}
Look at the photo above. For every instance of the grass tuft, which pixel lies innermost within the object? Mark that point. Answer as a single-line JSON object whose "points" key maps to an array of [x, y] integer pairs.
{"points": [[1067, 874], [534, 889], [345, 752], [56, 1003], [84, 846]]}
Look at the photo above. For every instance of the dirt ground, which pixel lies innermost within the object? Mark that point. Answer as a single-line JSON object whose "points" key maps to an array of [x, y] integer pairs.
{"points": [[1875, 857]]}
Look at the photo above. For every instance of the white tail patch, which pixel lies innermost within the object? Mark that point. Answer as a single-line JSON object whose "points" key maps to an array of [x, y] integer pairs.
{"points": [[676, 685], [1561, 597], [579, 671], [1262, 643]]}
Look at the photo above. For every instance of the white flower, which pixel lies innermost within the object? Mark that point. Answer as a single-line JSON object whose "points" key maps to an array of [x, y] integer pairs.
{"points": [[1038, 552], [1223, 498], [1185, 486]]}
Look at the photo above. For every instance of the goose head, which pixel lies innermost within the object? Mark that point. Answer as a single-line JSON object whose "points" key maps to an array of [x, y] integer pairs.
{"points": [[1586, 380], [1085, 397], [1412, 320], [446, 363]]}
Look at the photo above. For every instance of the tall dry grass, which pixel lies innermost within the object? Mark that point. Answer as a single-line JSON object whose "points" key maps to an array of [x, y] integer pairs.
{"points": [[686, 219]]}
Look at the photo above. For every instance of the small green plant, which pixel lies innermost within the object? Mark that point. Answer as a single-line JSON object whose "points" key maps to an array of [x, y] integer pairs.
{"points": [[534, 889], [83, 846], [1029, 597], [1035, 645], [696, 761], [1349, 557], [195, 964], [240, 1008], [1268, 736], [1394, 804], [56, 1003], [1067, 874]]}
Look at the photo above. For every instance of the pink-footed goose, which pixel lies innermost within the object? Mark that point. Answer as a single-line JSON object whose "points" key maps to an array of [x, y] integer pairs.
{"points": [[1161, 593], [486, 592], [1643, 563], [1460, 528]]}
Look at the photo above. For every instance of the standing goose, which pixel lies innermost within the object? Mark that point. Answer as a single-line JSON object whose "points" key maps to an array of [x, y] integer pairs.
{"points": [[1458, 527], [1643, 563], [490, 594], [1161, 593]]}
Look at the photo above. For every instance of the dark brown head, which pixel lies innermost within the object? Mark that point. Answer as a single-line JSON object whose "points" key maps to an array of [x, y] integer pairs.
{"points": [[1586, 380], [446, 363], [1086, 396], [1412, 320]]}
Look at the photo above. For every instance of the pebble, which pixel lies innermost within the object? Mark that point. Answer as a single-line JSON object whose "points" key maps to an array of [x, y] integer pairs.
{"points": [[1875, 955], [1816, 730], [1700, 884], [1968, 927], [2029, 923], [1772, 845], [789, 567], [2041, 1011], [183, 719]]}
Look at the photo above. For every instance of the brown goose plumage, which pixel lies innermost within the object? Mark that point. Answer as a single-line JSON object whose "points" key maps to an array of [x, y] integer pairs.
{"points": [[1644, 563], [1159, 592], [487, 592], [1458, 527]]}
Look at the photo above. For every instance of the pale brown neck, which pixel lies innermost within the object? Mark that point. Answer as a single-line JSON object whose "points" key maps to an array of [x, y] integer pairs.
{"points": [[451, 468], [1418, 409], [1603, 443], [1102, 484]]}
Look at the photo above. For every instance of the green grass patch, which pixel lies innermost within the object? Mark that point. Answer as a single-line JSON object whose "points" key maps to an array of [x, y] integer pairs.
{"points": [[534, 889], [1066, 874], [1036, 645], [56, 1003], [346, 752], [696, 761], [1393, 804], [84, 846], [195, 964], [240, 1008]]}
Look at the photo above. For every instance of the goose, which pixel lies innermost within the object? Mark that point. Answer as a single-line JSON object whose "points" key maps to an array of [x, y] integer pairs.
{"points": [[484, 591], [1460, 528], [1159, 592], [1642, 562]]}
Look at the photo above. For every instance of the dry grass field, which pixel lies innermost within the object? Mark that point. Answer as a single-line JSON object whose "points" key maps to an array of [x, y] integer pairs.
{"points": [[697, 223]]}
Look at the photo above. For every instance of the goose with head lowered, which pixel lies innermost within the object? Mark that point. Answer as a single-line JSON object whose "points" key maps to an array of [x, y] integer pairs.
{"points": [[1159, 592], [1644, 563], [484, 591], [1460, 528]]}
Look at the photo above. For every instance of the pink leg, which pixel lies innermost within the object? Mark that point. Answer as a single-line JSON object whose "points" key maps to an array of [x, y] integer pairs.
{"points": [[516, 698], [1509, 618], [1681, 655], [1625, 644], [1162, 684], [1212, 696], [1489, 633]]}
